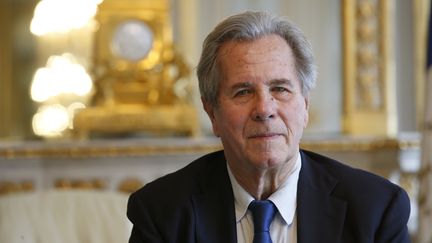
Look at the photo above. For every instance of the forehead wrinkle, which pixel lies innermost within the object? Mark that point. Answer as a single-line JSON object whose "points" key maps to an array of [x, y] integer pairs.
{"points": [[250, 54]]}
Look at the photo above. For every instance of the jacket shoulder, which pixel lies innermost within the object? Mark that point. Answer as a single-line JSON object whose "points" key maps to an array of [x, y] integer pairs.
{"points": [[353, 184], [185, 178], [343, 172]]}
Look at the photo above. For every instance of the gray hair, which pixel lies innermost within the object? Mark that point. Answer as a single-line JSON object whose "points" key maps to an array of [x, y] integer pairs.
{"points": [[249, 26]]}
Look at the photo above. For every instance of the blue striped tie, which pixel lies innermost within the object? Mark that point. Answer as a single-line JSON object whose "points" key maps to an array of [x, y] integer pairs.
{"points": [[263, 213]]}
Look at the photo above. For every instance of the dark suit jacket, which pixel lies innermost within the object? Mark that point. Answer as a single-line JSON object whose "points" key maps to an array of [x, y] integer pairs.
{"points": [[335, 203]]}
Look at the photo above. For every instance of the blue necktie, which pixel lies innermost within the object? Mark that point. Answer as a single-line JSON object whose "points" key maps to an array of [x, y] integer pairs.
{"points": [[263, 213]]}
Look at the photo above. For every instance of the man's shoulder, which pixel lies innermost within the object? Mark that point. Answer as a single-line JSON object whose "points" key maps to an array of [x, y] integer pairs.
{"points": [[186, 179], [335, 167], [348, 178], [195, 169], [374, 204]]}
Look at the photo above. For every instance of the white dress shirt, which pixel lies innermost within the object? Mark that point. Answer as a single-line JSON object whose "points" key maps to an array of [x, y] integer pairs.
{"points": [[283, 228]]}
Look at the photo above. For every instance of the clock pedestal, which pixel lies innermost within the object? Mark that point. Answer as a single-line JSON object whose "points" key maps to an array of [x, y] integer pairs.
{"points": [[141, 83], [159, 120]]}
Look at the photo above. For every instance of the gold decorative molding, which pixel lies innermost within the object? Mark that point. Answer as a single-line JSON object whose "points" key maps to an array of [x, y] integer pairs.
{"points": [[420, 15], [93, 184], [369, 102], [91, 149], [130, 185], [361, 144], [7, 187]]}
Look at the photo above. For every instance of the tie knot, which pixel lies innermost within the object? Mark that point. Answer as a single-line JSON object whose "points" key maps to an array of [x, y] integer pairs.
{"points": [[263, 213]]}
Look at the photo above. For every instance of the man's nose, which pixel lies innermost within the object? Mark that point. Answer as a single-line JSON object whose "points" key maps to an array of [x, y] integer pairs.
{"points": [[264, 107]]}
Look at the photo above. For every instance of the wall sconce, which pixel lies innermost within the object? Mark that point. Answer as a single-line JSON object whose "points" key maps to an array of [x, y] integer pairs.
{"points": [[63, 86], [62, 16]]}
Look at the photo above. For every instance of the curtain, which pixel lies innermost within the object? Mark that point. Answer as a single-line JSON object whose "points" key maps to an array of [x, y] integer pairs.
{"points": [[425, 198]]}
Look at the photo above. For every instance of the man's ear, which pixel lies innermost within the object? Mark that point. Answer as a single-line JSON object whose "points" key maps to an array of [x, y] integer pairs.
{"points": [[307, 102], [209, 109], [306, 118]]}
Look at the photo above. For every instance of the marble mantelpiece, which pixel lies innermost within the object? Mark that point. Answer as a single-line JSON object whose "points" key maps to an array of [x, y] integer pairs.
{"points": [[123, 164]]}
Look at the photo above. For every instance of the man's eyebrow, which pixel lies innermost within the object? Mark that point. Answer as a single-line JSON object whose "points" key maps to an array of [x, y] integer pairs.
{"points": [[272, 82], [241, 85], [282, 82]]}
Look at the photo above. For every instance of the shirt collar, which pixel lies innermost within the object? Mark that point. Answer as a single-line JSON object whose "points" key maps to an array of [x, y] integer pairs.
{"points": [[285, 198]]}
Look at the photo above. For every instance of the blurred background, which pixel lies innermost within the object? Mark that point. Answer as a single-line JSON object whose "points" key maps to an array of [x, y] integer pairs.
{"points": [[99, 97]]}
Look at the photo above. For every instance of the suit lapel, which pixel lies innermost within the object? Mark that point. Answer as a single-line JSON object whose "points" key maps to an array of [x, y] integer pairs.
{"points": [[214, 207], [320, 216]]}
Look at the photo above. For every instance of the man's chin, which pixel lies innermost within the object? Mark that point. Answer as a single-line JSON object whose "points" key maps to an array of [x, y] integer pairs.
{"points": [[266, 160]]}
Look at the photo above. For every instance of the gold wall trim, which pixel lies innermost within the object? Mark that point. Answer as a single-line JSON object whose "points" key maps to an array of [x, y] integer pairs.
{"points": [[369, 85], [105, 149], [185, 146], [421, 14], [361, 145]]}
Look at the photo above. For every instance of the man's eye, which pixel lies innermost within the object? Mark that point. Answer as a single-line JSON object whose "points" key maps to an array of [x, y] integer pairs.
{"points": [[242, 92], [280, 89]]}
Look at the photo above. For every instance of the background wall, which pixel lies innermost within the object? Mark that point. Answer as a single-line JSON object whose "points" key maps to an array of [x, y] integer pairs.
{"points": [[321, 23], [404, 65], [192, 20]]}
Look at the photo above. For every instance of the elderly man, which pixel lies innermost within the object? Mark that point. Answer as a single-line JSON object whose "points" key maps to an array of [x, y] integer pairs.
{"points": [[255, 74]]}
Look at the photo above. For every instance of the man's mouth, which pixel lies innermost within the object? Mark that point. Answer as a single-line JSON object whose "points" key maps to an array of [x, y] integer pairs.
{"points": [[265, 135]]}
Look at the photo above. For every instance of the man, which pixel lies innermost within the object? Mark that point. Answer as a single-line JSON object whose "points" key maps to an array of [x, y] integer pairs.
{"points": [[255, 74]]}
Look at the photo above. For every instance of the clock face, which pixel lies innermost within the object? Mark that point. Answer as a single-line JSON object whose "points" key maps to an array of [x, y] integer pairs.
{"points": [[132, 40]]}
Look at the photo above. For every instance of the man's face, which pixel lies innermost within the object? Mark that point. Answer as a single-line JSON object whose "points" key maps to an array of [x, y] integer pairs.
{"points": [[261, 112]]}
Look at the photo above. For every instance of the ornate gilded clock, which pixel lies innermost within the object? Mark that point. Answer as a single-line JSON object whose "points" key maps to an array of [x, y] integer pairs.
{"points": [[132, 40], [141, 81]]}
